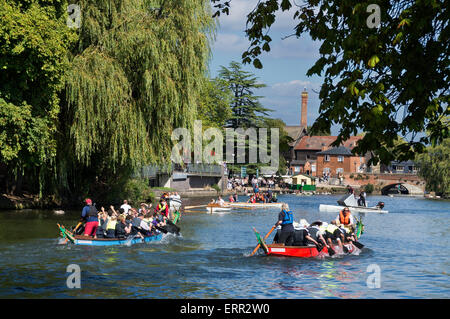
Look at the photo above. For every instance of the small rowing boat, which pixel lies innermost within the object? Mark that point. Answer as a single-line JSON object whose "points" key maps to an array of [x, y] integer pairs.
{"points": [[217, 208]]}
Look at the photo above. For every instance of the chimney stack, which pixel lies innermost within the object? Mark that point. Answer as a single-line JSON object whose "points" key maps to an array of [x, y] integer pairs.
{"points": [[304, 111]]}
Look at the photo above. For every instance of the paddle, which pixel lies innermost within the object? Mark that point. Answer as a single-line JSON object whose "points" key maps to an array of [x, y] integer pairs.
{"points": [[130, 239], [66, 234], [357, 244], [177, 217], [79, 224], [196, 206], [265, 237], [195, 211], [331, 251]]}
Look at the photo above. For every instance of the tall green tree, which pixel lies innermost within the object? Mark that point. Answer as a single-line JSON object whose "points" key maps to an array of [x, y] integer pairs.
{"points": [[434, 167], [246, 107], [214, 106], [385, 78], [135, 75], [34, 45]]}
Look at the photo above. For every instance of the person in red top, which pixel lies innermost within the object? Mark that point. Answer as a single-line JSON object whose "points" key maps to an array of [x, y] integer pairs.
{"points": [[90, 215], [162, 208]]}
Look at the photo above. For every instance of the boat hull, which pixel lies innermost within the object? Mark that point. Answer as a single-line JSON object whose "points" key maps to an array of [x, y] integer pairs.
{"points": [[88, 241], [353, 209], [216, 208], [300, 251]]}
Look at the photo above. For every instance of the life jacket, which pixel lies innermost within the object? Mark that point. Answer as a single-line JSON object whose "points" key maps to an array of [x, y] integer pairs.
{"points": [[163, 209], [92, 212], [111, 224], [344, 220], [288, 218], [331, 228]]}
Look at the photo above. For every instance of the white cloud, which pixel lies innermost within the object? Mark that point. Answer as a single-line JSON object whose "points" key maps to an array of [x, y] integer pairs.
{"points": [[229, 42], [239, 9], [293, 47], [292, 88]]}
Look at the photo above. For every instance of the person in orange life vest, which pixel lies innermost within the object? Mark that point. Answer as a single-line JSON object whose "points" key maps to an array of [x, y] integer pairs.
{"points": [[90, 215], [346, 220]]}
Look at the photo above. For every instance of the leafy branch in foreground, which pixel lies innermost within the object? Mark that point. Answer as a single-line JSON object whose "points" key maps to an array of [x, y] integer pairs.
{"points": [[386, 81]]}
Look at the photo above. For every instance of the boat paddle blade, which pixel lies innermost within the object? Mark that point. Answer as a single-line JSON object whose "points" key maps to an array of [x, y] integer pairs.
{"points": [[331, 252], [358, 245], [319, 247]]}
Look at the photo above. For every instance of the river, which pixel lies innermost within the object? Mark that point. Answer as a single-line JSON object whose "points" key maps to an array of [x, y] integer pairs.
{"points": [[406, 249]]}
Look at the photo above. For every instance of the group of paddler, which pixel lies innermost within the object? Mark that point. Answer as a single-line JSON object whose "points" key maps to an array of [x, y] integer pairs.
{"points": [[338, 232], [263, 197], [129, 221]]}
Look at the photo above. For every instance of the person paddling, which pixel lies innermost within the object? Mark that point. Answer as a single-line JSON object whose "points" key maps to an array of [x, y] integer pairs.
{"points": [[346, 219], [286, 219]]}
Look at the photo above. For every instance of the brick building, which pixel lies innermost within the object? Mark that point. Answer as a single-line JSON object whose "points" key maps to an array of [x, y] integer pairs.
{"points": [[302, 156], [337, 161]]}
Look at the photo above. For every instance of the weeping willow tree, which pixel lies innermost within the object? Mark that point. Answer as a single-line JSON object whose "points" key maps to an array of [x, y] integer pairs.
{"points": [[135, 75]]}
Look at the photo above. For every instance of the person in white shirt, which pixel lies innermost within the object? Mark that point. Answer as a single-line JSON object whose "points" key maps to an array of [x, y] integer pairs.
{"points": [[125, 207], [174, 202], [220, 201]]}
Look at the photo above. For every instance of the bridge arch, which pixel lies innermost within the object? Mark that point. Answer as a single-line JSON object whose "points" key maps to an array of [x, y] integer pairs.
{"points": [[401, 188]]}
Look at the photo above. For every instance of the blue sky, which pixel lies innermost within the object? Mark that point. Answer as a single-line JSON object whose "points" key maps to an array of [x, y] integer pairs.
{"points": [[284, 67]]}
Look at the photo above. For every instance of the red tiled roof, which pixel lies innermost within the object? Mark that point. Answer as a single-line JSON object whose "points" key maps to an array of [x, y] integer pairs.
{"points": [[323, 142]]}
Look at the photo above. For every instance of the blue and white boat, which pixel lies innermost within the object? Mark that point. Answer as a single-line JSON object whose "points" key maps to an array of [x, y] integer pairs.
{"points": [[89, 241]]}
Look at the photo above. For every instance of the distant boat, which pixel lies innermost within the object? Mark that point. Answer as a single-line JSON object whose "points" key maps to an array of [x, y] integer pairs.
{"points": [[353, 209], [350, 202], [256, 205], [216, 208]]}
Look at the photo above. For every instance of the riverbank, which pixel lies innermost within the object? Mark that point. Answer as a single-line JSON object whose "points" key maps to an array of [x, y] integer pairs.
{"points": [[32, 201], [27, 201]]}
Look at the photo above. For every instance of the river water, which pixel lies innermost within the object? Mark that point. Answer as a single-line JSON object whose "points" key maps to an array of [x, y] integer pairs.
{"points": [[407, 250]]}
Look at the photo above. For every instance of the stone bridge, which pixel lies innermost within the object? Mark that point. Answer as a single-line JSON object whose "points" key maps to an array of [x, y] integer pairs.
{"points": [[402, 188], [410, 184]]}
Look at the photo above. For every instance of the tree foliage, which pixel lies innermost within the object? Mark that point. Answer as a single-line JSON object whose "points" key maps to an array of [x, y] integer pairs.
{"points": [[246, 107], [34, 42], [136, 74], [214, 106], [388, 80], [85, 106], [434, 167]]}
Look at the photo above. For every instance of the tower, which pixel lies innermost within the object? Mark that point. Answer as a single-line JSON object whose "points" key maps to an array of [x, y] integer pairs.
{"points": [[304, 109]]}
